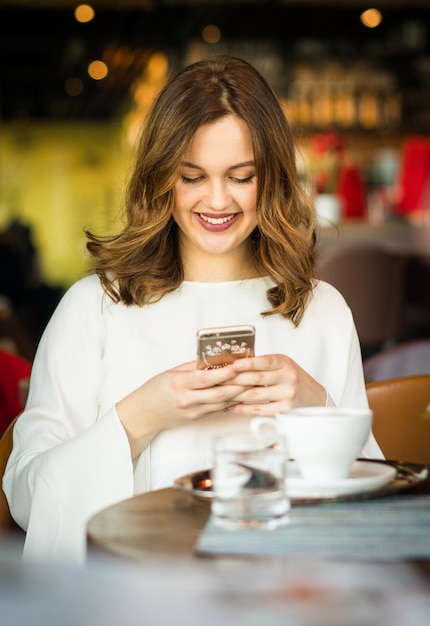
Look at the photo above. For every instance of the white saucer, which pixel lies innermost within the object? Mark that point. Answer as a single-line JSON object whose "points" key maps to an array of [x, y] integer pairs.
{"points": [[365, 476]]}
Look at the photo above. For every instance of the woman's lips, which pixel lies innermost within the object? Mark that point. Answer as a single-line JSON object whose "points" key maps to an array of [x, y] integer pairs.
{"points": [[216, 222]]}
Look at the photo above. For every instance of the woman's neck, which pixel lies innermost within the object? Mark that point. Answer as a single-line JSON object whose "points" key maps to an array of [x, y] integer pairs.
{"points": [[219, 268]]}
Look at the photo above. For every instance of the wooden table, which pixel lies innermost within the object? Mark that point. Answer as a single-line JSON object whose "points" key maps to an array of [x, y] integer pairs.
{"points": [[167, 521]]}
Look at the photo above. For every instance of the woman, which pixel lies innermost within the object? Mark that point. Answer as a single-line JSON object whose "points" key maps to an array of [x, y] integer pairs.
{"points": [[218, 232]]}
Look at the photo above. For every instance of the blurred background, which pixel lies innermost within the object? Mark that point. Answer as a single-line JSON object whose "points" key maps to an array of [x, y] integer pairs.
{"points": [[76, 81]]}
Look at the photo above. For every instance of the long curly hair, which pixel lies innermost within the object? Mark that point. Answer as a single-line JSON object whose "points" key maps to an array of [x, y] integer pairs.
{"points": [[142, 262]]}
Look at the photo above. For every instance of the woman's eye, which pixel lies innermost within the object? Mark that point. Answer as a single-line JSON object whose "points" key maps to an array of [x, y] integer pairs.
{"points": [[189, 181], [243, 181]]}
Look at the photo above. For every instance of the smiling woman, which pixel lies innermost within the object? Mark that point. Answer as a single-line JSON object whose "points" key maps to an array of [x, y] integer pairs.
{"points": [[218, 232], [216, 194]]}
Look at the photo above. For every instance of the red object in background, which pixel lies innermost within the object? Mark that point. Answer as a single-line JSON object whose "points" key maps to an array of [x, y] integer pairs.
{"points": [[13, 369], [352, 190], [328, 142], [414, 175], [328, 153]]}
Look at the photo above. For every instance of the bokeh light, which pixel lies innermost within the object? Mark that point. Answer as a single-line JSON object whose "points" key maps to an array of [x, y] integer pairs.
{"points": [[98, 70], [84, 13], [73, 86], [211, 34], [371, 18]]}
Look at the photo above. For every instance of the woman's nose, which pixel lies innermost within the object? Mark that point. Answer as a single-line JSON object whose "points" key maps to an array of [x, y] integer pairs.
{"points": [[218, 196]]}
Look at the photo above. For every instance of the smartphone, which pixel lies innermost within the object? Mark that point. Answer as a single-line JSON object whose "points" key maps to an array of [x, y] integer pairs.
{"points": [[218, 347]]}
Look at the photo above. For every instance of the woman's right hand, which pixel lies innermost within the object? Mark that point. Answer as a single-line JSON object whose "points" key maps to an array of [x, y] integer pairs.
{"points": [[173, 398]]}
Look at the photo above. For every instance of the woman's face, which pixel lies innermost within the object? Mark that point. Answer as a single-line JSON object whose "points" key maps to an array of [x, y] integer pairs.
{"points": [[216, 194]]}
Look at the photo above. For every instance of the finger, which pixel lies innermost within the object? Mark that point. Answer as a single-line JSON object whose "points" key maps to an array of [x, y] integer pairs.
{"points": [[254, 379], [212, 378], [255, 395], [260, 363], [221, 394], [202, 410]]}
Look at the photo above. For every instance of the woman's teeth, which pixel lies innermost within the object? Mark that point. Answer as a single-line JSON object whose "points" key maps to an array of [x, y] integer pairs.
{"points": [[216, 220]]}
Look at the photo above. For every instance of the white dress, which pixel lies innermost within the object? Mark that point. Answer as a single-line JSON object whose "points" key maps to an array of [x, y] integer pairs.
{"points": [[71, 456]]}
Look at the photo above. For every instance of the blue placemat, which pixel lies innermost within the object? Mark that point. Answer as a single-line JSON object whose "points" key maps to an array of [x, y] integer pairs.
{"points": [[387, 528]]}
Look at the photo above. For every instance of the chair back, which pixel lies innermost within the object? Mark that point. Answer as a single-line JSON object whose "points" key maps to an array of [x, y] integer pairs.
{"points": [[408, 358], [371, 280], [6, 443], [401, 417]]}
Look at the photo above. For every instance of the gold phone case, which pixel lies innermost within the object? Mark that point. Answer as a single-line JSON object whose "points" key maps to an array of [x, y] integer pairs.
{"points": [[218, 347]]}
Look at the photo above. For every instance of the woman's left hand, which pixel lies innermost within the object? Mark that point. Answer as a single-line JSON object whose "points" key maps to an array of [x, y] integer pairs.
{"points": [[275, 383]]}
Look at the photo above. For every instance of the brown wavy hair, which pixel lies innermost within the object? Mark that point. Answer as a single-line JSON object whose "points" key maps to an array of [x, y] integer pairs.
{"points": [[142, 263]]}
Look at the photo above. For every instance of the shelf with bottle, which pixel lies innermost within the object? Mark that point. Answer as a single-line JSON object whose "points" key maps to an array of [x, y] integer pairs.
{"points": [[335, 95]]}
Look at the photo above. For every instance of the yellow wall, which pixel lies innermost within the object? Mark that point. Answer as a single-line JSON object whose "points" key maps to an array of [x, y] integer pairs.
{"points": [[60, 179]]}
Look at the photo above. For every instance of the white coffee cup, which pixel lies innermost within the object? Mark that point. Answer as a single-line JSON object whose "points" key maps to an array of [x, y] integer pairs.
{"points": [[323, 441]]}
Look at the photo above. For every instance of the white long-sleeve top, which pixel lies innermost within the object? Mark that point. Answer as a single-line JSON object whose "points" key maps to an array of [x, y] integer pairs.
{"points": [[71, 456]]}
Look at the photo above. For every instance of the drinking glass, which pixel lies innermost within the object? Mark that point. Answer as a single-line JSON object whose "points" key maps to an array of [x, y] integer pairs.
{"points": [[249, 480]]}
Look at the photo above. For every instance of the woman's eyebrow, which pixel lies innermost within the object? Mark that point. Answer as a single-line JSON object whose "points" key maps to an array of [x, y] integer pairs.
{"points": [[191, 165], [244, 164], [232, 167]]}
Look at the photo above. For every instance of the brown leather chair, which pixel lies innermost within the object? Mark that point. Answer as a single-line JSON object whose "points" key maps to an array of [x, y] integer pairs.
{"points": [[401, 417], [6, 442]]}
